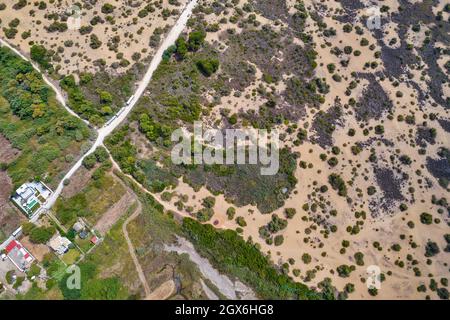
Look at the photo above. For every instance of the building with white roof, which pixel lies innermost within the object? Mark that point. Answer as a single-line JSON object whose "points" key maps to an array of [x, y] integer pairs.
{"points": [[59, 244], [30, 196]]}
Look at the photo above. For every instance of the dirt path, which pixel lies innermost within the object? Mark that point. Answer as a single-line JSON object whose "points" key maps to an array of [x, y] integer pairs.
{"points": [[141, 275], [113, 214], [167, 206], [163, 292]]}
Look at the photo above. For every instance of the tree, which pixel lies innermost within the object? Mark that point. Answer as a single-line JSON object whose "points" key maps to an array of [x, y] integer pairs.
{"points": [[205, 214], [306, 258], [209, 202], [344, 270], [443, 293], [230, 213], [101, 154], [278, 240], [39, 54], [426, 218], [182, 48], [107, 8], [337, 183], [208, 66], [431, 249], [241, 221], [359, 257], [89, 161], [290, 212], [196, 39], [95, 42]]}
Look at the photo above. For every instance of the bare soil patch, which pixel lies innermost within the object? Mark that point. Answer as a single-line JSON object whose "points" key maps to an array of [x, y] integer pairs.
{"points": [[7, 152], [10, 217], [111, 216], [78, 181], [37, 250], [163, 292]]}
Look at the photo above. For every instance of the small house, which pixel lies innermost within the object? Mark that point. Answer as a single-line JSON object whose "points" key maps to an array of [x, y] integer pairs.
{"points": [[78, 227], [59, 244], [94, 240], [30, 196]]}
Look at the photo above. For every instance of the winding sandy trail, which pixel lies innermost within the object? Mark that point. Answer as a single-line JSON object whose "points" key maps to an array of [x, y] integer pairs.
{"points": [[167, 206], [141, 275]]}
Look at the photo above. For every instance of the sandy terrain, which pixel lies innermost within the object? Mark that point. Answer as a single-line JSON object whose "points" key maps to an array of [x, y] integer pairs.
{"points": [[37, 250], [163, 292], [74, 51], [384, 223]]}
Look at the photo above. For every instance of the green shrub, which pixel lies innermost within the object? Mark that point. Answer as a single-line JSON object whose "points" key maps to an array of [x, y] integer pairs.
{"points": [[228, 252]]}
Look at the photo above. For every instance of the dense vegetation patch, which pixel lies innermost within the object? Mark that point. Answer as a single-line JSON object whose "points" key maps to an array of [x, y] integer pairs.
{"points": [[229, 253], [31, 119]]}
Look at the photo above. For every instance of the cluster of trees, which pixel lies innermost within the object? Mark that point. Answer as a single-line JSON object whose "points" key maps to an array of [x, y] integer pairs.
{"points": [[57, 26], [206, 213], [79, 103], [38, 234], [20, 4], [124, 152], [207, 66], [337, 183], [185, 109], [231, 254], [41, 55], [22, 86], [100, 155], [275, 225], [153, 130], [182, 46], [345, 270]]}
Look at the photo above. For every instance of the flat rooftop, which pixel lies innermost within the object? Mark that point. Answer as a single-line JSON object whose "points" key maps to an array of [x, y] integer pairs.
{"points": [[18, 255], [30, 196]]}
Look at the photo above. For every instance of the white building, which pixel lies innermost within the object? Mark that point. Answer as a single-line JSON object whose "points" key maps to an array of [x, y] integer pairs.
{"points": [[31, 196], [59, 244]]}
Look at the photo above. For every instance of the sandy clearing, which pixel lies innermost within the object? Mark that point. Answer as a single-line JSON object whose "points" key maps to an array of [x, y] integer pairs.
{"points": [[134, 33], [163, 292]]}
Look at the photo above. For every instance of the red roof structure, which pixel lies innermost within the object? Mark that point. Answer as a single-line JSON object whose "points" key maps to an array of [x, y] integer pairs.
{"points": [[20, 256], [94, 239], [11, 246]]}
